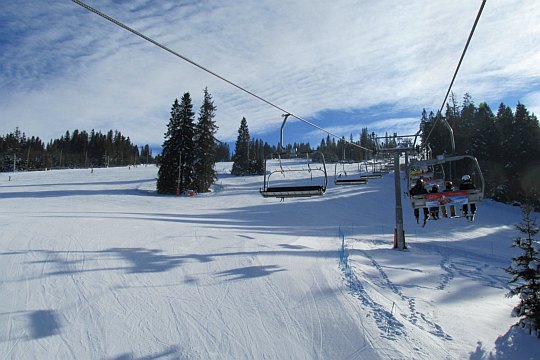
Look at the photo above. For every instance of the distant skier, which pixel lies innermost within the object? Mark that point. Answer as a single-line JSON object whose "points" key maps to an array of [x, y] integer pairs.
{"points": [[419, 189], [467, 184]]}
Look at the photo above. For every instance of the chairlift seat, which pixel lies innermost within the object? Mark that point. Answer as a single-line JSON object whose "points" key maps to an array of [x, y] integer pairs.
{"points": [[376, 175], [293, 191], [460, 197], [351, 181], [286, 186]]}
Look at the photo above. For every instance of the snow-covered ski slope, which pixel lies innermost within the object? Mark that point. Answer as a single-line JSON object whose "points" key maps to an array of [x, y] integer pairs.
{"points": [[98, 266]]}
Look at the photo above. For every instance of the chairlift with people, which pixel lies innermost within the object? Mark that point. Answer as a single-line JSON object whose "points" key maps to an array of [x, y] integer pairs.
{"points": [[448, 170]]}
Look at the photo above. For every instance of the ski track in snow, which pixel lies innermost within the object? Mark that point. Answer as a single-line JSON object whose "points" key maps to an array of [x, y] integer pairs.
{"points": [[413, 314]]}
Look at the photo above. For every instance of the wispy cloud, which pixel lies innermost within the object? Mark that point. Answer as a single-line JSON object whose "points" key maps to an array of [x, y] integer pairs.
{"points": [[64, 68]]}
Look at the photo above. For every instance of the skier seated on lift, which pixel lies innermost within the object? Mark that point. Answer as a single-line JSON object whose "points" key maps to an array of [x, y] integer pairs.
{"points": [[449, 187], [419, 189], [467, 184], [434, 211]]}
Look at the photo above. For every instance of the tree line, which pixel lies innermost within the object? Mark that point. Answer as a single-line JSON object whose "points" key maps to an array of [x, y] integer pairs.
{"points": [[76, 149], [250, 154], [506, 144]]}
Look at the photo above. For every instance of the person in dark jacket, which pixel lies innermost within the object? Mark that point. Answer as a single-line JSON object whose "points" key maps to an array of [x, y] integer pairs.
{"points": [[419, 189], [467, 184], [434, 211]]}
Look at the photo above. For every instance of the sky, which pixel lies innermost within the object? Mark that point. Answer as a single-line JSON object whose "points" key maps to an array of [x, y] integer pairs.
{"points": [[342, 65]]}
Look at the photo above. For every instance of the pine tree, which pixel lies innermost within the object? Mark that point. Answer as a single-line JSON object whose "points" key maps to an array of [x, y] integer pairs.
{"points": [[465, 125], [187, 144], [241, 157], [169, 162], [484, 146], [525, 271], [256, 162], [175, 174], [433, 127], [146, 155], [365, 143], [205, 145], [223, 152]]}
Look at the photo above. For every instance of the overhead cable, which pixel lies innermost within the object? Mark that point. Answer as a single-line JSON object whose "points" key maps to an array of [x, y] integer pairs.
{"points": [[116, 22], [457, 68]]}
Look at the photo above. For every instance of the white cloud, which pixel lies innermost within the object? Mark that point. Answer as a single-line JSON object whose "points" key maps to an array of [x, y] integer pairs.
{"points": [[532, 101]]}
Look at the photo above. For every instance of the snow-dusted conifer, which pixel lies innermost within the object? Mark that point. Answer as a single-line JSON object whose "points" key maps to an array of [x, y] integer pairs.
{"points": [[241, 157], [205, 145], [525, 271], [170, 160], [187, 144]]}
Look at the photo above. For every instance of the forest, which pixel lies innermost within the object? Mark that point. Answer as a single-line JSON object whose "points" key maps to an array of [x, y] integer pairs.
{"points": [[76, 149]]}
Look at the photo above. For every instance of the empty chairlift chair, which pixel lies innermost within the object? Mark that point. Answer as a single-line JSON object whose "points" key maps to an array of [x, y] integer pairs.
{"points": [[349, 173], [289, 176]]}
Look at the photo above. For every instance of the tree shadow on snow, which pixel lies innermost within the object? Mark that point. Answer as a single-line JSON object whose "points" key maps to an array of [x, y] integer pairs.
{"points": [[515, 344], [143, 260], [250, 272], [74, 192], [44, 323], [172, 352]]}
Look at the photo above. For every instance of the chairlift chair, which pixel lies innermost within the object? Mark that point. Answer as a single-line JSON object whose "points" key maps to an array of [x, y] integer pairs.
{"points": [[348, 173], [375, 172], [289, 176], [456, 197]]}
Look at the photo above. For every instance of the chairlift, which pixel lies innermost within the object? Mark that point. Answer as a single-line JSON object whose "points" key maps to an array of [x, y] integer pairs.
{"points": [[289, 176], [439, 171], [375, 172], [442, 169], [349, 173]]}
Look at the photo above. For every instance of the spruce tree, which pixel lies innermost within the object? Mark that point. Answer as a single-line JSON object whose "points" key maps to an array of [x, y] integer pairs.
{"points": [[484, 146], [241, 158], [187, 144], [365, 142], [205, 145], [169, 161], [463, 133], [256, 150], [223, 152], [525, 271]]}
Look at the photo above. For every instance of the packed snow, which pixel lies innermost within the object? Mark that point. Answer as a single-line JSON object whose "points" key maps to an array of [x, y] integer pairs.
{"points": [[96, 265]]}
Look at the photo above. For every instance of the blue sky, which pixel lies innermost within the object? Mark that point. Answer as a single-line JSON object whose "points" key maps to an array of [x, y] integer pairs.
{"points": [[343, 65]]}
